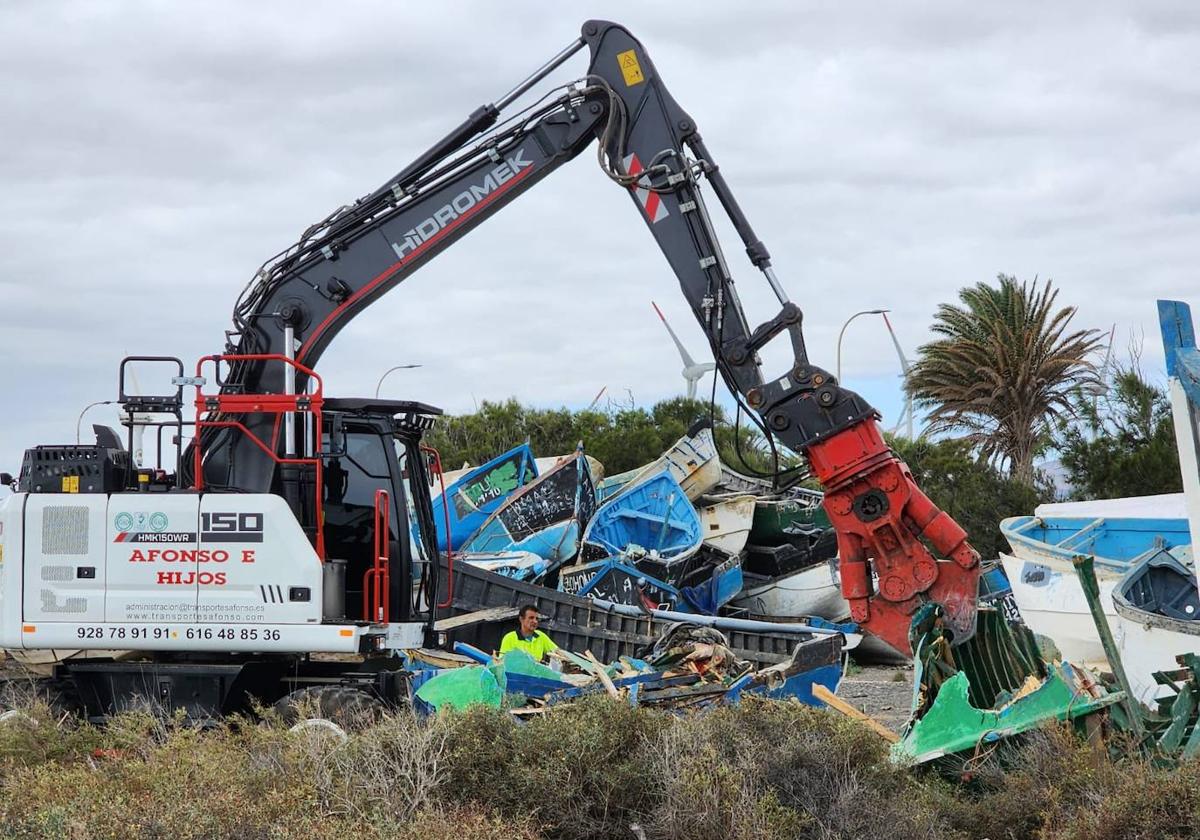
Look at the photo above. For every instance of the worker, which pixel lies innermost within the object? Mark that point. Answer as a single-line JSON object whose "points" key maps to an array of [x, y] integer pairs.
{"points": [[527, 636]]}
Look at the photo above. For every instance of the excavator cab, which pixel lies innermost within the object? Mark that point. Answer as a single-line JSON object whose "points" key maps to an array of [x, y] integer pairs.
{"points": [[360, 493], [375, 503]]}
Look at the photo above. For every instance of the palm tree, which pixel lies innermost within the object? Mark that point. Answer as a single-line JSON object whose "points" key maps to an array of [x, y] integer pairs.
{"points": [[1003, 369]]}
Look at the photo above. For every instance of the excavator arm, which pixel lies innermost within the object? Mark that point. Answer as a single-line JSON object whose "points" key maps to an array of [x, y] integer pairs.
{"points": [[650, 146]]}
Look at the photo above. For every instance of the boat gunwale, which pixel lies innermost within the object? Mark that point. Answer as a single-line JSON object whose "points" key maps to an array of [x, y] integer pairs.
{"points": [[1014, 530]]}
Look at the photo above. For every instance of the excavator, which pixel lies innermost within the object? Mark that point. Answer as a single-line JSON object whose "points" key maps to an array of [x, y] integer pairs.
{"points": [[296, 523]]}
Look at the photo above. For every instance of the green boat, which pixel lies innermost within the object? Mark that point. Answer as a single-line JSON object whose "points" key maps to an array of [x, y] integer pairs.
{"points": [[777, 518], [777, 515]]}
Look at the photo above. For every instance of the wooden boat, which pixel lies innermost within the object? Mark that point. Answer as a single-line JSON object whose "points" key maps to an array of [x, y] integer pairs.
{"points": [[594, 466], [518, 565], [546, 517], [726, 523], [691, 587], [1042, 573], [1158, 618], [542, 464], [777, 518], [733, 483], [1052, 604], [799, 577], [470, 500], [653, 516], [692, 460], [815, 589], [778, 513]]}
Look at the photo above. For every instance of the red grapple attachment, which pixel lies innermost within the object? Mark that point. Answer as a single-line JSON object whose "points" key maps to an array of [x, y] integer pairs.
{"points": [[880, 515]]}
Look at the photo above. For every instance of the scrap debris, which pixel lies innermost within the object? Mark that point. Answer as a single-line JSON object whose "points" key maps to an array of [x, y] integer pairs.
{"points": [[690, 667]]}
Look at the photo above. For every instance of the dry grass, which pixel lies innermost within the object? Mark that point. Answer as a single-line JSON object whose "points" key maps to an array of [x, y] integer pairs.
{"points": [[598, 769]]}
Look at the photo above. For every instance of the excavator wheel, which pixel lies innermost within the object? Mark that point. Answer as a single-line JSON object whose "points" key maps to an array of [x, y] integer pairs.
{"points": [[57, 695], [346, 707], [61, 695]]}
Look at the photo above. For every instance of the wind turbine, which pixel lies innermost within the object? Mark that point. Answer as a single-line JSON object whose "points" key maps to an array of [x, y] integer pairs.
{"points": [[906, 417], [1099, 387], [692, 372]]}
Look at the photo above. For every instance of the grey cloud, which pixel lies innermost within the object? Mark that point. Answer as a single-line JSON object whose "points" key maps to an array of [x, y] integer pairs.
{"points": [[154, 154]]}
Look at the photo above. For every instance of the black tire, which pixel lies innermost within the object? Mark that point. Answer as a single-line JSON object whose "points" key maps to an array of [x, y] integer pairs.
{"points": [[348, 707], [62, 697]]}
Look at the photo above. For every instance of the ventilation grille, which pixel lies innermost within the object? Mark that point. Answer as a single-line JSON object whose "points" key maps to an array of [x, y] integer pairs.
{"points": [[58, 574], [65, 529], [70, 605]]}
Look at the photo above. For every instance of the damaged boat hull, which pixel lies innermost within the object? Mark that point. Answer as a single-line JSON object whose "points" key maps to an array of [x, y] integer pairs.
{"points": [[579, 624]]}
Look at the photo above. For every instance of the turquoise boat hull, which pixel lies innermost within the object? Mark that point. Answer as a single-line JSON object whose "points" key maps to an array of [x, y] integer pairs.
{"points": [[479, 494], [655, 515]]}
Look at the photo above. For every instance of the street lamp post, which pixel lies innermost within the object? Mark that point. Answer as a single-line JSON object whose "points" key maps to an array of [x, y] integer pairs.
{"points": [[843, 332], [379, 384]]}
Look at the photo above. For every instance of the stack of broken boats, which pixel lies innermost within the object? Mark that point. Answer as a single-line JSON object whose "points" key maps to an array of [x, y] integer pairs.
{"points": [[683, 533]]}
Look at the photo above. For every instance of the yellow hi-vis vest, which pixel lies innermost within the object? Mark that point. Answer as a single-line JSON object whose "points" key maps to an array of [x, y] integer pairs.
{"points": [[537, 646]]}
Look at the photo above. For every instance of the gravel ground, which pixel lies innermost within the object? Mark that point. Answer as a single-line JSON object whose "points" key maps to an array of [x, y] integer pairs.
{"points": [[882, 691]]}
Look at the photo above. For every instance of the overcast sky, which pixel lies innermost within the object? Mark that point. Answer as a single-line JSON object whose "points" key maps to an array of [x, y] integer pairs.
{"points": [[155, 154]]}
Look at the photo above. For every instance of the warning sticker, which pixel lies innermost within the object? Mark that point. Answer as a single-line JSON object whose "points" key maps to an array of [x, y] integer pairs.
{"points": [[630, 69]]}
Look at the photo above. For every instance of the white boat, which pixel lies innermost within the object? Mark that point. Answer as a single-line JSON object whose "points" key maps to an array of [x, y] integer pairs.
{"points": [[1158, 603], [692, 460], [725, 525], [1042, 573], [521, 565], [1158, 618], [733, 482], [1052, 604], [813, 590]]}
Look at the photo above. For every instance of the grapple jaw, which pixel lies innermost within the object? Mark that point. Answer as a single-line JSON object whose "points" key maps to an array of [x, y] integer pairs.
{"points": [[883, 522]]}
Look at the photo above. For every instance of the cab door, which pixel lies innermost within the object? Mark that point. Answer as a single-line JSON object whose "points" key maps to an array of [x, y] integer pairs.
{"points": [[361, 460]]}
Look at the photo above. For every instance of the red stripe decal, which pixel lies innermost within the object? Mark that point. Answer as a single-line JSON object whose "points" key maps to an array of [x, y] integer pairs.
{"points": [[652, 206]]}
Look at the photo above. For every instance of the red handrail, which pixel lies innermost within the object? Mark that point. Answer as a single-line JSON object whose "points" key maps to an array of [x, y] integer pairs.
{"points": [[277, 404], [437, 465], [377, 579]]}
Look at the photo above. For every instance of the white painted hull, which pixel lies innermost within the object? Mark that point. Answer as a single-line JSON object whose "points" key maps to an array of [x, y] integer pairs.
{"points": [[1145, 649], [693, 461], [1052, 604], [546, 464], [816, 590], [510, 563], [726, 525]]}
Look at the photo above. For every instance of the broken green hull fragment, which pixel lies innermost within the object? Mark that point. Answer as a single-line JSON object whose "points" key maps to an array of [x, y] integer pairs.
{"points": [[952, 724]]}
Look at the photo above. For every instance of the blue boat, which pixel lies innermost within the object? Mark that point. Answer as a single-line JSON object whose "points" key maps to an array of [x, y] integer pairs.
{"points": [[700, 588], [1042, 573], [1116, 543], [653, 517], [546, 517], [479, 493]]}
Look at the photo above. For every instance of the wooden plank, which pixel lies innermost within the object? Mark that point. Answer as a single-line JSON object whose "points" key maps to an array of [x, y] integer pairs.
{"points": [[670, 694], [838, 704], [566, 656], [600, 673], [476, 617]]}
